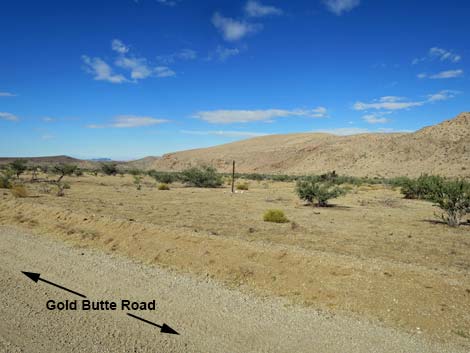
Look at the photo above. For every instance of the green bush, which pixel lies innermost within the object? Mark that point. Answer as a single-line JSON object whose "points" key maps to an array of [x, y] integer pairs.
{"points": [[163, 186], [316, 192], [422, 187], [109, 168], [18, 167], [453, 198], [243, 186], [138, 182], [204, 177], [276, 216], [64, 169], [5, 178], [164, 177]]}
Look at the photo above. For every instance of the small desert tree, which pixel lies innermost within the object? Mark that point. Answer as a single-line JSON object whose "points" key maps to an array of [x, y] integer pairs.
{"points": [[18, 167], [109, 168], [316, 192], [5, 178], [204, 177], [453, 198], [63, 170]]}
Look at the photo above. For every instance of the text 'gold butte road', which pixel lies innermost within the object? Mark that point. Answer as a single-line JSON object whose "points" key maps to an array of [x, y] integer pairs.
{"points": [[97, 305]]}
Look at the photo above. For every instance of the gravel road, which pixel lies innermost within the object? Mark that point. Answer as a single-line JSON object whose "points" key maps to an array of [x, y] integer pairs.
{"points": [[209, 317]]}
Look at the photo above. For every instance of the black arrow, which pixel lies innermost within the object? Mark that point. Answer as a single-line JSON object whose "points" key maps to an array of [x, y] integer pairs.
{"points": [[163, 328], [36, 277]]}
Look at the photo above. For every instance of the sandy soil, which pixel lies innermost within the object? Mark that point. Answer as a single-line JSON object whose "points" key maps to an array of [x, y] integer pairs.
{"points": [[210, 318], [375, 256]]}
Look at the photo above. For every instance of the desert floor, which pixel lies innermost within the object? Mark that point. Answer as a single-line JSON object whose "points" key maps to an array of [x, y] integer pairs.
{"points": [[373, 256]]}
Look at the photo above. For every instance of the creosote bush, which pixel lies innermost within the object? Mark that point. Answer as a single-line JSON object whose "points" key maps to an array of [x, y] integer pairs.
{"points": [[109, 168], [5, 178], [19, 191], [203, 177], [318, 193], [453, 198], [163, 186], [18, 167], [243, 186], [276, 216], [164, 177]]}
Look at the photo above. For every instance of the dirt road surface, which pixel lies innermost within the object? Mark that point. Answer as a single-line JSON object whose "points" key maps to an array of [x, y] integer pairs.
{"points": [[209, 317]]}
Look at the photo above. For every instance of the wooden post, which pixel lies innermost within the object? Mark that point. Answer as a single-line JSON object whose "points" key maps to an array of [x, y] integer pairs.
{"points": [[233, 177]]}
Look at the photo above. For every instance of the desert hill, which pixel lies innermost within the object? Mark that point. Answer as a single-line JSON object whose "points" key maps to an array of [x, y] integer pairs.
{"points": [[50, 160], [440, 149]]}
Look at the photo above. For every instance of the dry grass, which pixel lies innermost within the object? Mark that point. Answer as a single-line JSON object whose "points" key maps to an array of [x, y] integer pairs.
{"points": [[19, 191], [375, 255]]}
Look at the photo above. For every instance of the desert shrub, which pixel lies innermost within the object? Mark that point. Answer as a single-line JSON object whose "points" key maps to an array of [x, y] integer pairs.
{"points": [[163, 186], [109, 168], [78, 172], [276, 216], [164, 177], [61, 187], [138, 182], [64, 169], [318, 193], [243, 186], [135, 172], [421, 188], [19, 191], [5, 178], [204, 177], [453, 198], [18, 167]]}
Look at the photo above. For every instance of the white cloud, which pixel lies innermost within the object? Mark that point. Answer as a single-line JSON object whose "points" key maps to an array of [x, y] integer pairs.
{"points": [[338, 7], [422, 75], [439, 54], [447, 74], [225, 133], [139, 68], [101, 70], [442, 95], [129, 121], [245, 116], [256, 9], [183, 54], [344, 131], [164, 71], [377, 118], [444, 55], [48, 119], [118, 46], [233, 30], [223, 53], [387, 103], [7, 94], [168, 2], [8, 116]]}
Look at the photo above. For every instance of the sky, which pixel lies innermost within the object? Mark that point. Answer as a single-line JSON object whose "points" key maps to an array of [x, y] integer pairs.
{"points": [[126, 79]]}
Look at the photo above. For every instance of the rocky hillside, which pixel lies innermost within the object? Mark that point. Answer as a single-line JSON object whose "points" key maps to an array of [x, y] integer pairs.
{"points": [[441, 149]]}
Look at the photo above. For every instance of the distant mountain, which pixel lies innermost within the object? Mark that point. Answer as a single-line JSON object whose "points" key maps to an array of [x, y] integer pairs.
{"points": [[101, 159], [440, 149]]}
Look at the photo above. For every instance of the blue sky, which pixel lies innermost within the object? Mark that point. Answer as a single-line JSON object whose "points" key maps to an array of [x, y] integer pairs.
{"points": [[127, 79]]}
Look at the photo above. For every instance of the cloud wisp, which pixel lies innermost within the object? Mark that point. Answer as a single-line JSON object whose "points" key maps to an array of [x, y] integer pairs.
{"points": [[442, 75], [8, 116], [246, 116], [338, 7], [137, 68], [256, 9], [7, 94], [224, 133], [436, 53], [233, 30], [129, 121]]}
